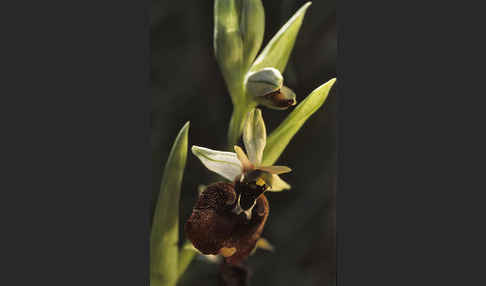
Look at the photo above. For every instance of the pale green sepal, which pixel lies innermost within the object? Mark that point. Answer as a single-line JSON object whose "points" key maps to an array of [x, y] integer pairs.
{"points": [[281, 136], [255, 136], [277, 52], [225, 164]]}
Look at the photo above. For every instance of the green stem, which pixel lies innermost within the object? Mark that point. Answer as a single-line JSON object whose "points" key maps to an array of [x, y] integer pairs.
{"points": [[236, 123]]}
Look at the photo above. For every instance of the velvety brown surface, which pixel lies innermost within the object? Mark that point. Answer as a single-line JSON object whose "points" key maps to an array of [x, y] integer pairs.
{"points": [[212, 224], [247, 233]]}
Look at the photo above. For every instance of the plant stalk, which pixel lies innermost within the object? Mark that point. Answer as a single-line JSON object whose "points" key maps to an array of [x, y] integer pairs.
{"points": [[238, 117]]}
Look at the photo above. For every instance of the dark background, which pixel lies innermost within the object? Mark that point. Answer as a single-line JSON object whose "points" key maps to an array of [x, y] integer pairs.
{"points": [[187, 85]]}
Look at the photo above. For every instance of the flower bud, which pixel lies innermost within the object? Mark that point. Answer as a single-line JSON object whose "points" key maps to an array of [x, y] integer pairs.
{"points": [[266, 87], [264, 81], [238, 35]]}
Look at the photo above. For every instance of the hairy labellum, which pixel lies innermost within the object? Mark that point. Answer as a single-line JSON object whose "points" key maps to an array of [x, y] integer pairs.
{"points": [[215, 228]]}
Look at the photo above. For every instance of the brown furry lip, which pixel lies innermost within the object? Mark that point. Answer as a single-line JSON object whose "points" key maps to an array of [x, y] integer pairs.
{"points": [[214, 228]]}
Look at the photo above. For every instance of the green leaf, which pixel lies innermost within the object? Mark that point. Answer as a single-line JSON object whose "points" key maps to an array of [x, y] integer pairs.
{"points": [[277, 52], [252, 28], [281, 136], [165, 228]]}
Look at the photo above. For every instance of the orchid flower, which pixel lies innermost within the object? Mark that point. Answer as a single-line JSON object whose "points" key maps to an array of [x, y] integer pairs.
{"points": [[237, 165], [222, 220]]}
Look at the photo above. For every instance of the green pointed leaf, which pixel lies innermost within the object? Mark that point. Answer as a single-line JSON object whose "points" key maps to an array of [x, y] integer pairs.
{"points": [[164, 236], [281, 136], [252, 28], [277, 52]]}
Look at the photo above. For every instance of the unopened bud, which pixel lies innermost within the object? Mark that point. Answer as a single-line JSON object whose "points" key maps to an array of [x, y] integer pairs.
{"points": [[266, 87], [264, 81]]}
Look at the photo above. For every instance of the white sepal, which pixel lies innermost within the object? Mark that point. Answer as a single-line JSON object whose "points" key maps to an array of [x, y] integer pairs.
{"points": [[222, 163]]}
